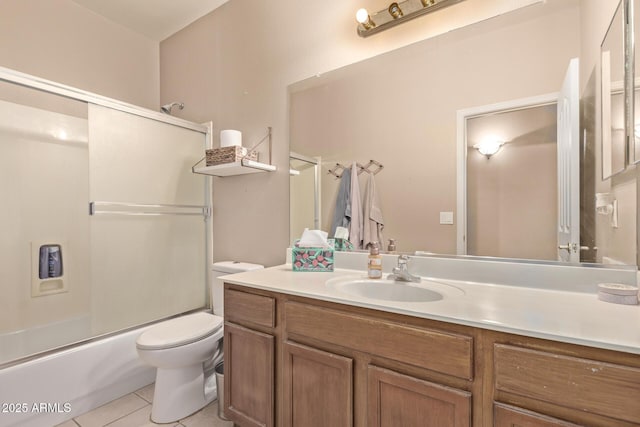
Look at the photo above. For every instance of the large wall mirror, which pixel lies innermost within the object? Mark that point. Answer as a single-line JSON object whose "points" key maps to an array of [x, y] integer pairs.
{"points": [[400, 109]]}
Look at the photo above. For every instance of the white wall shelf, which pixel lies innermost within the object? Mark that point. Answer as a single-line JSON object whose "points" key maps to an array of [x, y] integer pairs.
{"points": [[242, 167]]}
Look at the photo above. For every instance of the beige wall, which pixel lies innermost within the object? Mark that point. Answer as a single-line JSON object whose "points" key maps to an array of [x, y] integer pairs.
{"points": [[233, 67], [61, 41]]}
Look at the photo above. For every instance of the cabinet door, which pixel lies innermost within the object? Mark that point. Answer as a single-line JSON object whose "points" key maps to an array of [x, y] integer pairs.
{"points": [[249, 376], [400, 400], [510, 416], [318, 388]]}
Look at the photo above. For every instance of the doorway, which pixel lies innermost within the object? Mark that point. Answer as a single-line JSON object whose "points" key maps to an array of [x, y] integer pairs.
{"points": [[507, 179]]}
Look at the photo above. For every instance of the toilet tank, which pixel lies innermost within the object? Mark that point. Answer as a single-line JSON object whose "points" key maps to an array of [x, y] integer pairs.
{"points": [[222, 268]]}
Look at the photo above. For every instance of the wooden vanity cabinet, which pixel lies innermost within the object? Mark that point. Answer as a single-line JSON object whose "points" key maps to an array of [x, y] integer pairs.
{"points": [[249, 358], [339, 366], [300, 362], [397, 367]]}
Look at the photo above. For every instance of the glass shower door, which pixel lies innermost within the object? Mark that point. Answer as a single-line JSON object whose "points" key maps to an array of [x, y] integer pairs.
{"points": [[148, 228]]}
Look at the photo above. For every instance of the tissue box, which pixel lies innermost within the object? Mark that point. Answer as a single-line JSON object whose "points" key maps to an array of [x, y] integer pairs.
{"points": [[312, 259]]}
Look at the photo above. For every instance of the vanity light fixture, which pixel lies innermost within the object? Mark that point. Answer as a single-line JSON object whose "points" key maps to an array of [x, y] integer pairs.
{"points": [[489, 147], [396, 13]]}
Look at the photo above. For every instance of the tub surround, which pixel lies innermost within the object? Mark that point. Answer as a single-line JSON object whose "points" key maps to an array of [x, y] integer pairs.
{"points": [[550, 301]]}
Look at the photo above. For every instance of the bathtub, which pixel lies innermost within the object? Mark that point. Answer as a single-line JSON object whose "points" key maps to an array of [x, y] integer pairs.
{"points": [[18, 344], [49, 390]]}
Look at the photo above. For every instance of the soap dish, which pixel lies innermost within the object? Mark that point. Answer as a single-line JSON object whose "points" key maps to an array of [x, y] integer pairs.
{"points": [[618, 293], [618, 289]]}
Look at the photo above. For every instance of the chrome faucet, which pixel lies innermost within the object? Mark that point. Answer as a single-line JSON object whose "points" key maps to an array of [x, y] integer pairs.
{"points": [[401, 272]]}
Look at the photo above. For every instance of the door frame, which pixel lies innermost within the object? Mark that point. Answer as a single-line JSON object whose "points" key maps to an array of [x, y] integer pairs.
{"points": [[461, 151]]}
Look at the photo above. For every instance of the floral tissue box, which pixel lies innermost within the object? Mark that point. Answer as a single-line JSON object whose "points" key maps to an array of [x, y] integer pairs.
{"points": [[312, 259]]}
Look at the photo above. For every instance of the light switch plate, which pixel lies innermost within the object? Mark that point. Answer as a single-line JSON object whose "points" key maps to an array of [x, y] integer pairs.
{"points": [[446, 218]]}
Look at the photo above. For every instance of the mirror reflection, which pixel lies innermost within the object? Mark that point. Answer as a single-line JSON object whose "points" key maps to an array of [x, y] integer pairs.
{"points": [[612, 72], [502, 186], [401, 109], [635, 147]]}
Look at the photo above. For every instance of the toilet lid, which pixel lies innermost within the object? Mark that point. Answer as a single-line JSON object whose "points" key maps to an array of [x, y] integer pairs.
{"points": [[179, 331]]}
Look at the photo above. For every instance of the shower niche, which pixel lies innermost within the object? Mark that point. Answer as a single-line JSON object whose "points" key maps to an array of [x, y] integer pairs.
{"points": [[47, 268]]}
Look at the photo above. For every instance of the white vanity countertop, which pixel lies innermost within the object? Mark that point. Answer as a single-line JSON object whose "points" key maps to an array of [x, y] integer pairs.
{"points": [[559, 315]]}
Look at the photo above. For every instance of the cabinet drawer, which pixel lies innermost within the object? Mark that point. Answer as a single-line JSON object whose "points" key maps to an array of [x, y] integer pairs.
{"points": [[510, 416], [435, 350], [582, 384], [249, 309]]}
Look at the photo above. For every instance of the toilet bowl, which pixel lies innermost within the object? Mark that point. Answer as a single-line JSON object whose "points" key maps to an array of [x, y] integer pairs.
{"points": [[179, 348], [185, 351]]}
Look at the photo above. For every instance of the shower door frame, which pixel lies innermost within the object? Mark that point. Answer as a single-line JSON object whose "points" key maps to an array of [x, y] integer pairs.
{"points": [[48, 86]]}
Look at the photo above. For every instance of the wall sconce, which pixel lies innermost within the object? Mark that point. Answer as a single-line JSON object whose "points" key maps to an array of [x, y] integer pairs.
{"points": [[397, 13], [489, 147]]}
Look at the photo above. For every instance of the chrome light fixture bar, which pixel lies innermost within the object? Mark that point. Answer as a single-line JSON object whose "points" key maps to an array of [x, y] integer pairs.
{"points": [[397, 13]]}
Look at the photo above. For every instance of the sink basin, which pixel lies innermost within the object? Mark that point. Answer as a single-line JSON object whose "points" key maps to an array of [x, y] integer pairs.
{"points": [[388, 290]]}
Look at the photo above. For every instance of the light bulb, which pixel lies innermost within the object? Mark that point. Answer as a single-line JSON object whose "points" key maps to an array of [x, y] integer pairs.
{"points": [[395, 11], [362, 15]]}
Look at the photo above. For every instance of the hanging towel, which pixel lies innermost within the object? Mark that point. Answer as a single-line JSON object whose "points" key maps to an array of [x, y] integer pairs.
{"points": [[355, 210], [373, 222], [340, 218]]}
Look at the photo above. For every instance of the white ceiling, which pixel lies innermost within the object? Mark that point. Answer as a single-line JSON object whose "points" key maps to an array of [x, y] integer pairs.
{"points": [[156, 19]]}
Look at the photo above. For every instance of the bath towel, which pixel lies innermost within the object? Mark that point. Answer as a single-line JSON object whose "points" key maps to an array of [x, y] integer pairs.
{"points": [[340, 218], [355, 210], [373, 221]]}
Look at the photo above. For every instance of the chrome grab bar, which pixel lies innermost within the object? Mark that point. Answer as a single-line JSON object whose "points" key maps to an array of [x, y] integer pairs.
{"points": [[203, 210]]}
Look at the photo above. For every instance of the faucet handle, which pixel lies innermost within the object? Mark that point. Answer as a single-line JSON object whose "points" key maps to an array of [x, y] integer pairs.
{"points": [[403, 259]]}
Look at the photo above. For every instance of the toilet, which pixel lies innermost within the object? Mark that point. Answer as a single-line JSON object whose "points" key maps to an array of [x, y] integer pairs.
{"points": [[185, 351]]}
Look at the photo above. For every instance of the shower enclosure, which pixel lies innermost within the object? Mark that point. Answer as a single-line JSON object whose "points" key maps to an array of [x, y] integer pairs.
{"points": [[103, 225]]}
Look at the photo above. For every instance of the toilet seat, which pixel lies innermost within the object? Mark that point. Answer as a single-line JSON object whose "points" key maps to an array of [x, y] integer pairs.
{"points": [[179, 331]]}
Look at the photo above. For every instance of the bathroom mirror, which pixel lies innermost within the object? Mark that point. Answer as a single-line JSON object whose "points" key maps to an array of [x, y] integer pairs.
{"points": [[613, 111], [304, 189], [633, 8], [399, 108]]}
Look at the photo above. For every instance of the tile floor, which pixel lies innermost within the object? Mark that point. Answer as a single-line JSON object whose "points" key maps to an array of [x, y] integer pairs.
{"points": [[134, 410]]}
